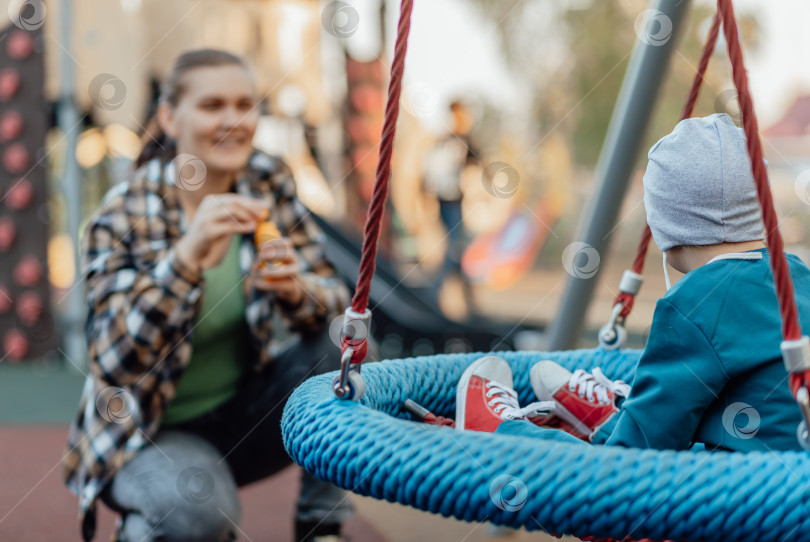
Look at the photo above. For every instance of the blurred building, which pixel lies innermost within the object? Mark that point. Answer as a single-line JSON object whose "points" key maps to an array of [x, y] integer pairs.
{"points": [[789, 137], [136, 41]]}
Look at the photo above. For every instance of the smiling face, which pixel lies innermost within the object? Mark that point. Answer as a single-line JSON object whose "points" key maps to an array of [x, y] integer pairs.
{"points": [[215, 117]]}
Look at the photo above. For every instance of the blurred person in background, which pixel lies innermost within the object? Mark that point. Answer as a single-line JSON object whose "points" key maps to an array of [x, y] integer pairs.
{"points": [[188, 374], [442, 169]]}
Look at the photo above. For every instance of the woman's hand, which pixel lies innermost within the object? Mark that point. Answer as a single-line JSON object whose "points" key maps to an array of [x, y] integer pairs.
{"points": [[216, 220], [277, 269]]}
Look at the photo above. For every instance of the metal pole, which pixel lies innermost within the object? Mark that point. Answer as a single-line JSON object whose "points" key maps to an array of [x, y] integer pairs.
{"points": [[638, 94], [68, 119]]}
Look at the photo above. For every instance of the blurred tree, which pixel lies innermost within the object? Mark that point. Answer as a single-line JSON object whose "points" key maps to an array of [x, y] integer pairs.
{"points": [[574, 55]]}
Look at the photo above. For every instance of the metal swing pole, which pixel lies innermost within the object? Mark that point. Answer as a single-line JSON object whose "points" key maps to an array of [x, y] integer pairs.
{"points": [[642, 82], [68, 118]]}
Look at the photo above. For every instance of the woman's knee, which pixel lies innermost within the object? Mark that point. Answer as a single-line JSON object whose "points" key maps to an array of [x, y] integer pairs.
{"points": [[190, 507], [211, 521], [182, 522], [178, 489]]}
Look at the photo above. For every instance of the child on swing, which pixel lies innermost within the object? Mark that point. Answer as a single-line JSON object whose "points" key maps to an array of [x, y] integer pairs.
{"points": [[713, 351]]}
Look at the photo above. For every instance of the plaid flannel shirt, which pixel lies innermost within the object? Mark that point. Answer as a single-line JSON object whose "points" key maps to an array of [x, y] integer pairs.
{"points": [[143, 302]]}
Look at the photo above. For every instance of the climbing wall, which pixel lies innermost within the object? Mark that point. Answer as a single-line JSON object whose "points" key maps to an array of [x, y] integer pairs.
{"points": [[26, 325], [364, 119]]}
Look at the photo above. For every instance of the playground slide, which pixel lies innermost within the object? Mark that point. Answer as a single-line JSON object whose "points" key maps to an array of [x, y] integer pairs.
{"points": [[407, 321]]}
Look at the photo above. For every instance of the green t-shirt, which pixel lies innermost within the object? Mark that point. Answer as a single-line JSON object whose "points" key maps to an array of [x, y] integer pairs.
{"points": [[219, 344]]}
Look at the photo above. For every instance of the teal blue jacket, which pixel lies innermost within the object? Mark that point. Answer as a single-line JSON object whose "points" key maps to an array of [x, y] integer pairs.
{"points": [[712, 370]]}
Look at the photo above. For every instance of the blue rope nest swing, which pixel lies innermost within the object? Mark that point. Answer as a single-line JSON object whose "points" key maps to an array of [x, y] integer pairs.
{"points": [[374, 449], [370, 448]]}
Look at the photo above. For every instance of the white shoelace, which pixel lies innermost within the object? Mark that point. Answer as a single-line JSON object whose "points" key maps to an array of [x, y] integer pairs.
{"points": [[597, 384], [505, 403]]}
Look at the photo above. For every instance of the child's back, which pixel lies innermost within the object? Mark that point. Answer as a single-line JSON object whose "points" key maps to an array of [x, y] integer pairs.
{"points": [[712, 369]]}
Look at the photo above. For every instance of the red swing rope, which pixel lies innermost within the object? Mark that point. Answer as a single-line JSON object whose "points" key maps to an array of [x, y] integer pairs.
{"points": [[626, 299], [379, 194], [779, 266], [791, 329]]}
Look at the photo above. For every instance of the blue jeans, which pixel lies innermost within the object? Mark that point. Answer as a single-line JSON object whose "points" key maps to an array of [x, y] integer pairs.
{"points": [[452, 218], [183, 487], [525, 428]]}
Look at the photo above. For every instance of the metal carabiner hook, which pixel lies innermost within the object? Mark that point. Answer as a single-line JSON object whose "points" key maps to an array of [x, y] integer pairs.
{"points": [[349, 384], [803, 399], [613, 335]]}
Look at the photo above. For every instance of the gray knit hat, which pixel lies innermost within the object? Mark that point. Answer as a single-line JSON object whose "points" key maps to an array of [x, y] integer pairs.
{"points": [[698, 187]]}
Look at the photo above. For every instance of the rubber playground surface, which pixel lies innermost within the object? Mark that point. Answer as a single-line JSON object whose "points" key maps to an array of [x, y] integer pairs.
{"points": [[36, 405], [36, 507]]}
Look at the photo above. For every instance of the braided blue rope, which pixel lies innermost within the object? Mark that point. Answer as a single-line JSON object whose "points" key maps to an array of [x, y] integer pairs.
{"points": [[371, 449]]}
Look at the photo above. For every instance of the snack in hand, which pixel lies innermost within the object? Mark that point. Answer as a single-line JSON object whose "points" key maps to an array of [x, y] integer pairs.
{"points": [[266, 232]]}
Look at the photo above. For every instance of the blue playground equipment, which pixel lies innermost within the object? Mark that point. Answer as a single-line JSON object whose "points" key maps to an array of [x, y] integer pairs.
{"points": [[370, 448], [349, 429]]}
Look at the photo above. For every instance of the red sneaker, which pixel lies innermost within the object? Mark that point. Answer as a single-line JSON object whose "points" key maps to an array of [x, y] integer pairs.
{"points": [[584, 402], [485, 398]]}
